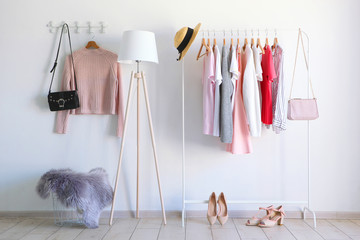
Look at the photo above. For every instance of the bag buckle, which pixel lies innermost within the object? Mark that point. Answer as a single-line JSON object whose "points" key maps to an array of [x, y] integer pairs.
{"points": [[61, 102]]}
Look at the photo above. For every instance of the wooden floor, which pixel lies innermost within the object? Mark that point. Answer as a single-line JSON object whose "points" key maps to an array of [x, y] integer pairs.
{"points": [[195, 229]]}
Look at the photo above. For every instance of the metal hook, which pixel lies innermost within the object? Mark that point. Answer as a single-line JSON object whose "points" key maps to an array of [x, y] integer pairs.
{"points": [[275, 33], [102, 27], [252, 32], [76, 26], [258, 32], [214, 33], [224, 33], [267, 32], [50, 26], [208, 33], [65, 28], [90, 27], [232, 34], [238, 31], [245, 33]]}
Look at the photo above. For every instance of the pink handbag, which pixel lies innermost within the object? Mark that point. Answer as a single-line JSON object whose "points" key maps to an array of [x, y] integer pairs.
{"points": [[302, 109], [299, 108]]}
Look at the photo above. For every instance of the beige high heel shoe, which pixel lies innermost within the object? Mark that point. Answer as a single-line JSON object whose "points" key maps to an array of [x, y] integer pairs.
{"points": [[255, 220], [212, 213], [277, 218], [223, 212]]}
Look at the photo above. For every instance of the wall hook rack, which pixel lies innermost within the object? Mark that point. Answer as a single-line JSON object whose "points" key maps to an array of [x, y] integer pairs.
{"points": [[90, 27]]}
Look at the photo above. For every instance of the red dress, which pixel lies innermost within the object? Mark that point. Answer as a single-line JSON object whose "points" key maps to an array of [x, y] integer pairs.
{"points": [[269, 74]]}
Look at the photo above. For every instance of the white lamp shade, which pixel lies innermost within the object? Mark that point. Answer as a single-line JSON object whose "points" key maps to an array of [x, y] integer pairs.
{"points": [[138, 46]]}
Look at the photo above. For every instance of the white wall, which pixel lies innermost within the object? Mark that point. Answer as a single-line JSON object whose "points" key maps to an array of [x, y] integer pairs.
{"points": [[277, 167]]}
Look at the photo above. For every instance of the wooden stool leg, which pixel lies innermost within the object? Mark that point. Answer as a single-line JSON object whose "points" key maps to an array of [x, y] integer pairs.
{"points": [[153, 143], [128, 104]]}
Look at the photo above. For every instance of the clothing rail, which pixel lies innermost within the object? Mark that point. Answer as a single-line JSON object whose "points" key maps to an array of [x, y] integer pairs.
{"points": [[185, 201], [89, 26], [248, 30]]}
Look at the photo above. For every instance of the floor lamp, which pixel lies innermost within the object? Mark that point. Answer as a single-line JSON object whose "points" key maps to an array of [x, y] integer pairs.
{"points": [[138, 46]]}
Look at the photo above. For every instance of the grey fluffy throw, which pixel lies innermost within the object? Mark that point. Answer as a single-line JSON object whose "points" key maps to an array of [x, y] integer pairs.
{"points": [[88, 192]]}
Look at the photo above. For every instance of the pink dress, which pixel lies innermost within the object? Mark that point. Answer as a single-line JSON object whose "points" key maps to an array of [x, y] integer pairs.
{"points": [[241, 137], [208, 81]]}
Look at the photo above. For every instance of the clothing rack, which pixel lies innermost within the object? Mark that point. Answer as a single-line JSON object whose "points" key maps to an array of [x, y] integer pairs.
{"points": [[246, 30], [192, 201], [89, 26]]}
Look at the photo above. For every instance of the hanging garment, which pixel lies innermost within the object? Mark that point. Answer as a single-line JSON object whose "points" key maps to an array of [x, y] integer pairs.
{"points": [[218, 80], [257, 62], [98, 77], [241, 143], [269, 74], [278, 97], [234, 74], [257, 53], [251, 92], [208, 93], [226, 90]]}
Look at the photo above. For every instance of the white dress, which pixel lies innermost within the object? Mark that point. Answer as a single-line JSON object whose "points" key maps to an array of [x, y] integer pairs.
{"points": [[251, 92], [218, 80], [257, 62], [234, 70]]}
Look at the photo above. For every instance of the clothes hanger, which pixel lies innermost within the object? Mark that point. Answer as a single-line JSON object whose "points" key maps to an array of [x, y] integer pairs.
{"points": [[252, 38], [209, 43], [258, 44], [224, 38], [203, 44], [92, 44], [266, 40], [238, 40], [245, 41], [232, 40], [214, 41], [276, 42]]}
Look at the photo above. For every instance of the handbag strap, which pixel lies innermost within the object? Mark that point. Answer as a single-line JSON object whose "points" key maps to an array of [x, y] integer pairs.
{"points": [[57, 55], [306, 63]]}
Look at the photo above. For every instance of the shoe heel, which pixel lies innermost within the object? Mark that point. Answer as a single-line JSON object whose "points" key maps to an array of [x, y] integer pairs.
{"points": [[281, 221]]}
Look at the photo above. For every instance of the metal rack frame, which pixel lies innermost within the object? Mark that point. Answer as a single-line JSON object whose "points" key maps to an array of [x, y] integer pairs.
{"points": [[190, 201]]}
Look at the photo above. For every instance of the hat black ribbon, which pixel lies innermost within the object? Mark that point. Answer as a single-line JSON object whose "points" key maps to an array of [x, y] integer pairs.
{"points": [[185, 41]]}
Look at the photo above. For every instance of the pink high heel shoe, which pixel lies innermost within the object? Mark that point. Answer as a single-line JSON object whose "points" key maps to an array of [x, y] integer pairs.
{"points": [[223, 212], [277, 218], [212, 213], [255, 220]]}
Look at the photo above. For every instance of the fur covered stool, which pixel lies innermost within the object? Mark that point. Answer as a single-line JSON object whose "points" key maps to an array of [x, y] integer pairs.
{"points": [[89, 193]]}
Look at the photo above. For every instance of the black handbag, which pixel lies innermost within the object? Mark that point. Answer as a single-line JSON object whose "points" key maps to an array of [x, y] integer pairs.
{"points": [[64, 100]]}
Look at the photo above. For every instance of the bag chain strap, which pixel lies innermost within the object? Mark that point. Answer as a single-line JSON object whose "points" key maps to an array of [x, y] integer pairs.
{"points": [[57, 55], [306, 63]]}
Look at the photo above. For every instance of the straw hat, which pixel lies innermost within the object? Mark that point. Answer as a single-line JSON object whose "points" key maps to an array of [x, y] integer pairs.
{"points": [[184, 38]]}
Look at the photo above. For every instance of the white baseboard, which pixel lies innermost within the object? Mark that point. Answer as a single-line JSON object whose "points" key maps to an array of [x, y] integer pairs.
{"points": [[191, 213]]}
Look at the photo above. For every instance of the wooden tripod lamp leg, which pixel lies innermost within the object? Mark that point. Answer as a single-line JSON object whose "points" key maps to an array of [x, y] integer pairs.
{"points": [[128, 104], [153, 144], [138, 147]]}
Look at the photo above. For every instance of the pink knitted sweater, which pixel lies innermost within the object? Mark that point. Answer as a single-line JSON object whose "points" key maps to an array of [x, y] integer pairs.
{"points": [[98, 77]]}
